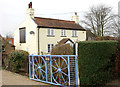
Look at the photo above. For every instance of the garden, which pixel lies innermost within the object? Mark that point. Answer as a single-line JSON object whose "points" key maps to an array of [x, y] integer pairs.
{"points": [[98, 61]]}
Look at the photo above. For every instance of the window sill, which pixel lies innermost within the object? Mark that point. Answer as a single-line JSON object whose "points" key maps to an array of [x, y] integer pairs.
{"points": [[63, 36], [50, 35], [74, 36], [22, 43]]}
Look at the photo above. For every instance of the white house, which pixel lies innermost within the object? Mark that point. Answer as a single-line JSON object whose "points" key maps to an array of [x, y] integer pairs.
{"points": [[38, 35]]}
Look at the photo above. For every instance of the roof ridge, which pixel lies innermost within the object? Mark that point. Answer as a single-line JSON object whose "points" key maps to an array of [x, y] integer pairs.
{"points": [[55, 19]]}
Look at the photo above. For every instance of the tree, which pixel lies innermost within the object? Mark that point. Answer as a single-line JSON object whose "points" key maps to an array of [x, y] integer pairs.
{"points": [[9, 35], [99, 20]]}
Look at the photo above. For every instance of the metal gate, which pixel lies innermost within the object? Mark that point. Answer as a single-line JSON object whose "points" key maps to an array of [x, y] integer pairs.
{"points": [[54, 69]]}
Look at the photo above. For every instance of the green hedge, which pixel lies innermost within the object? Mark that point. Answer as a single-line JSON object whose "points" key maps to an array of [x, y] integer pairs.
{"points": [[18, 60], [95, 61]]}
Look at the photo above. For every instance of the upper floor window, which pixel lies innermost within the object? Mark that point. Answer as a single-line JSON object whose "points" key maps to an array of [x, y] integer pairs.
{"points": [[22, 32], [74, 33], [63, 33], [50, 32]]}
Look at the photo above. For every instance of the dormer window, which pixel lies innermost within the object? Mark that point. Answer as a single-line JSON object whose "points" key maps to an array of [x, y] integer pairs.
{"points": [[50, 32]]}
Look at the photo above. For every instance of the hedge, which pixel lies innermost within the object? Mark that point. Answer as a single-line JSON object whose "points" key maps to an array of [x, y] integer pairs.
{"points": [[18, 60], [96, 61]]}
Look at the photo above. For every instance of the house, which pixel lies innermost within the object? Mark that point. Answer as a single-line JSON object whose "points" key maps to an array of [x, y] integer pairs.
{"points": [[10, 40], [6, 48], [38, 35], [89, 35]]}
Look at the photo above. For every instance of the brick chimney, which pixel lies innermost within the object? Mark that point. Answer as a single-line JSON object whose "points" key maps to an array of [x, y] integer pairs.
{"points": [[75, 18], [30, 10]]}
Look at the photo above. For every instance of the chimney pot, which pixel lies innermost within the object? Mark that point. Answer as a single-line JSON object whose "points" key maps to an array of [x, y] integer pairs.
{"points": [[30, 10], [30, 5]]}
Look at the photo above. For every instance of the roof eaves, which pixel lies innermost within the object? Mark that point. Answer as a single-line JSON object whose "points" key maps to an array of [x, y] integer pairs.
{"points": [[60, 28]]}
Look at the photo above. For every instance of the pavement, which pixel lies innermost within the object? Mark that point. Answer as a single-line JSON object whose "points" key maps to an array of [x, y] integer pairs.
{"points": [[10, 78]]}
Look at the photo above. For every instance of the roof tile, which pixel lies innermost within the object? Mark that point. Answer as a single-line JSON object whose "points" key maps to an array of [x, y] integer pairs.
{"points": [[56, 23]]}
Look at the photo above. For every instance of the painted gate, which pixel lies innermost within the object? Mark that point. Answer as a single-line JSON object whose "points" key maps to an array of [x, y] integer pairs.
{"points": [[54, 69]]}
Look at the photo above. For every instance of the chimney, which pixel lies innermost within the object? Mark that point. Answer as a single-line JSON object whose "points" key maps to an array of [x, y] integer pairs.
{"points": [[30, 5], [30, 10], [75, 18]]}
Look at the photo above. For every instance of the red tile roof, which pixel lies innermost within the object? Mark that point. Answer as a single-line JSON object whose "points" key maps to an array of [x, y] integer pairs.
{"points": [[10, 39], [56, 23]]}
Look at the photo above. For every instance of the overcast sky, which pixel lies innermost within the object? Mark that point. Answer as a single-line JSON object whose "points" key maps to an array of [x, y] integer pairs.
{"points": [[13, 12]]}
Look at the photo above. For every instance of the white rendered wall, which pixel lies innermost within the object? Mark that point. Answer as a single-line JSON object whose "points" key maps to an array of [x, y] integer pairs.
{"points": [[31, 40], [45, 40]]}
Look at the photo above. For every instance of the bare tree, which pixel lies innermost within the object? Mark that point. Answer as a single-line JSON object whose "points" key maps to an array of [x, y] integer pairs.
{"points": [[99, 20], [9, 35]]}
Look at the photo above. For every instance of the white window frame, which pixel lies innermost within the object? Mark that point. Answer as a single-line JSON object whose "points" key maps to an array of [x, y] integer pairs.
{"points": [[50, 32], [74, 33], [50, 47], [63, 32]]}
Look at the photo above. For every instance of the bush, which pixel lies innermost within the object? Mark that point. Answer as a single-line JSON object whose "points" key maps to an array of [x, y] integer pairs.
{"points": [[117, 61], [62, 50], [95, 61], [26, 61], [18, 59], [105, 38]]}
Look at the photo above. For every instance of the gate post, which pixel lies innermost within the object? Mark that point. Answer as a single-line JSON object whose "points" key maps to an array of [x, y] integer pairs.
{"points": [[46, 69], [33, 65], [76, 70], [69, 69], [29, 68], [51, 68], [76, 52]]}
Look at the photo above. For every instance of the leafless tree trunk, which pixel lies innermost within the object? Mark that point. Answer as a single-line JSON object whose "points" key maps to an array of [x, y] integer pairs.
{"points": [[98, 19]]}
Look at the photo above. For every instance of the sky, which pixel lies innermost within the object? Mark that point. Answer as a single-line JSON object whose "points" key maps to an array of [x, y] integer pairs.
{"points": [[13, 12]]}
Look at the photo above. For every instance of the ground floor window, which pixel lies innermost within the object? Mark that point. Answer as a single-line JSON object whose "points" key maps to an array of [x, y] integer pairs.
{"points": [[50, 47]]}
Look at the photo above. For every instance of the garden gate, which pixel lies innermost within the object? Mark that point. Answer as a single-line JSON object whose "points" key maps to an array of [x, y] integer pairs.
{"points": [[54, 69]]}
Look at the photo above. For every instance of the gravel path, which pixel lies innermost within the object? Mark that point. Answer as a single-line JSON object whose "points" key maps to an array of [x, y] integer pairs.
{"points": [[10, 78]]}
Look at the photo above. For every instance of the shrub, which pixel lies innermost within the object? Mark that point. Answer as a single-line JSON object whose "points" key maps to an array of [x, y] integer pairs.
{"points": [[63, 49], [26, 60], [106, 38], [18, 59], [95, 61], [117, 61]]}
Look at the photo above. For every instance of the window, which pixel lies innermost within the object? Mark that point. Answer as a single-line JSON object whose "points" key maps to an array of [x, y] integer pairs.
{"points": [[50, 32], [50, 47], [10, 42], [3, 48], [22, 35], [63, 33], [74, 33]]}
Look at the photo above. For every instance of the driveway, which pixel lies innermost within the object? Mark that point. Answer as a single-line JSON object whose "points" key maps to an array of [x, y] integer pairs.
{"points": [[10, 78]]}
